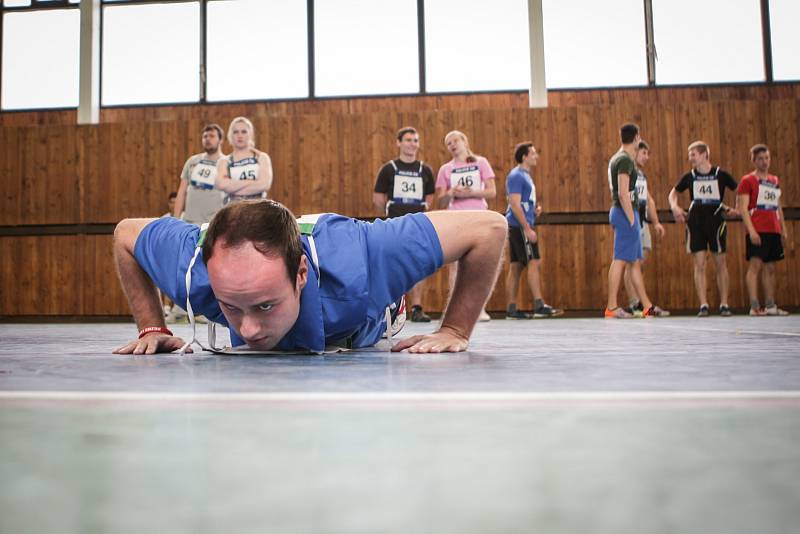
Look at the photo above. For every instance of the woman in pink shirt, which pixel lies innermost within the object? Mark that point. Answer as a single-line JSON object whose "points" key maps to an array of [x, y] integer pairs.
{"points": [[464, 183]]}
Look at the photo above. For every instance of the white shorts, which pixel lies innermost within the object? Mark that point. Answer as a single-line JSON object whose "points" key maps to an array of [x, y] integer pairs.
{"points": [[647, 241]]}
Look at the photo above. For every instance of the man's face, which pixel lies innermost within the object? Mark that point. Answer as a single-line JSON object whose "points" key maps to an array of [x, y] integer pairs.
{"points": [[642, 156], [409, 145], [254, 293], [531, 158], [171, 204], [696, 158], [761, 161], [211, 141]]}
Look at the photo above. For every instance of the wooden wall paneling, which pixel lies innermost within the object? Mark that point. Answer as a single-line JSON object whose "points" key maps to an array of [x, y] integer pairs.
{"points": [[783, 137], [741, 126], [11, 173], [558, 172], [103, 293], [41, 275]]}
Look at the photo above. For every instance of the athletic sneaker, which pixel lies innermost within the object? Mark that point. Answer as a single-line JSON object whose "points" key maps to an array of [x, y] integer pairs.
{"points": [[725, 311], [617, 313], [757, 312], [703, 311], [655, 311], [419, 316], [774, 310], [397, 314], [483, 317], [517, 314], [545, 310]]}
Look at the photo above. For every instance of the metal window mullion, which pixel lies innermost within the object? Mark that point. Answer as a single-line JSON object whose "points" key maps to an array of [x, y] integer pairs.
{"points": [[421, 45], [311, 59], [766, 36], [537, 93], [650, 44], [203, 50]]}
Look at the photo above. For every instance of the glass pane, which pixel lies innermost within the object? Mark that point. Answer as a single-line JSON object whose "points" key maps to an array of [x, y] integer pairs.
{"points": [[16, 3], [476, 45], [712, 41], [594, 44], [151, 53], [365, 47], [783, 17], [41, 73], [257, 49]]}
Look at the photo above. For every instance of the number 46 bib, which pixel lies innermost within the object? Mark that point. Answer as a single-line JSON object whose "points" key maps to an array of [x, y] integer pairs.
{"points": [[469, 177]]}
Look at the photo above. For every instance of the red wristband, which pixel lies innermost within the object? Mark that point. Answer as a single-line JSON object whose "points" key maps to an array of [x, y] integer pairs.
{"points": [[150, 329]]}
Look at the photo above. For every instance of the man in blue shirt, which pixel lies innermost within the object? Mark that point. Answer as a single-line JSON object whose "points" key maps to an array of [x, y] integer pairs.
{"points": [[522, 239], [280, 285]]}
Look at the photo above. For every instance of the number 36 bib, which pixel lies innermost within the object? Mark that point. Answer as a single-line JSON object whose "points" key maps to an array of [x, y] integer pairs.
{"points": [[768, 196]]}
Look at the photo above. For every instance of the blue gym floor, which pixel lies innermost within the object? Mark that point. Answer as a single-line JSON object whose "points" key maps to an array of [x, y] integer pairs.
{"points": [[560, 425]]}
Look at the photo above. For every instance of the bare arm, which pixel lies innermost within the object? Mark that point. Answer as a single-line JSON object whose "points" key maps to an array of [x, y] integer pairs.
{"points": [[223, 182], [140, 291], [478, 253], [445, 196], [261, 184], [180, 200], [623, 181], [743, 201], [379, 200], [677, 211], [652, 214], [429, 201]]}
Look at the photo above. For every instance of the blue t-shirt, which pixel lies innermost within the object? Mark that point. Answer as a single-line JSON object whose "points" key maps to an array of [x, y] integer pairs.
{"points": [[363, 267], [520, 182]]}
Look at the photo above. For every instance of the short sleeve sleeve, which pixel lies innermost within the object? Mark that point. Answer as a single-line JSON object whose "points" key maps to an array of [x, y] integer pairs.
{"points": [[383, 181], [443, 178], [728, 181], [486, 170], [683, 183], [513, 184], [429, 186], [187, 169]]}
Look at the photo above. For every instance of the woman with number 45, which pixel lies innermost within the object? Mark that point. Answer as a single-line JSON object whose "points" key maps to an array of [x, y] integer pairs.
{"points": [[247, 173], [464, 183]]}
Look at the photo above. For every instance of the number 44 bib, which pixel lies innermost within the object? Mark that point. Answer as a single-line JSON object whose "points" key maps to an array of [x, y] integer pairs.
{"points": [[706, 191]]}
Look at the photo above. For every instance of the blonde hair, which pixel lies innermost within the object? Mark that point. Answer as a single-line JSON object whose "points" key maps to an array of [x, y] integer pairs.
{"points": [[250, 128], [471, 156], [701, 147]]}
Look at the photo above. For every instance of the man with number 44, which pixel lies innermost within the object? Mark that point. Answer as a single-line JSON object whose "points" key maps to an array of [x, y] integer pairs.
{"points": [[705, 221]]}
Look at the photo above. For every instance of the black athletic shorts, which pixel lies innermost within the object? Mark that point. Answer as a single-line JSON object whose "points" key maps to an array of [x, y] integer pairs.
{"points": [[706, 232], [522, 251], [771, 248]]}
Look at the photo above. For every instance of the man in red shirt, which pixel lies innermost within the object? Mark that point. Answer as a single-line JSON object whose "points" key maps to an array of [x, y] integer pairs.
{"points": [[758, 198]]}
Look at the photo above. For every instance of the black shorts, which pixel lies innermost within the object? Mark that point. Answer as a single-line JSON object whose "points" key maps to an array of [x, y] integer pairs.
{"points": [[522, 251], [706, 233], [771, 248]]}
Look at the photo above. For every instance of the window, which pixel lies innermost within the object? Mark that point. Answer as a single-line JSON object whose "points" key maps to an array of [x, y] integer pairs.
{"points": [[783, 17], [365, 47], [151, 53], [474, 45], [257, 49], [712, 41], [594, 44], [41, 72]]}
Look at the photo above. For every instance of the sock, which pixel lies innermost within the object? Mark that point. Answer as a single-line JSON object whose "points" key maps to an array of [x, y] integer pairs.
{"points": [[770, 303], [538, 303], [754, 304]]}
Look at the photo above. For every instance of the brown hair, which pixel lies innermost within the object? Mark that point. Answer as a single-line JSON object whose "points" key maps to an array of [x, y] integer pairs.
{"points": [[216, 127], [758, 149], [406, 130], [521, 150], [628, 133], [268, 225]]}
